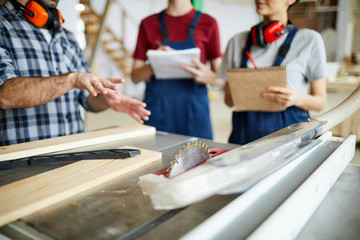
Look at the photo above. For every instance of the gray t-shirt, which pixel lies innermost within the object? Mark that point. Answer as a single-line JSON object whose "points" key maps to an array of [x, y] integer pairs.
{"points": [[305, 60]]}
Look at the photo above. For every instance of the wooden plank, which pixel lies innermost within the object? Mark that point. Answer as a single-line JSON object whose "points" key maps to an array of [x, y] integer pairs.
{"points": [[29, 195], [73, 141]]}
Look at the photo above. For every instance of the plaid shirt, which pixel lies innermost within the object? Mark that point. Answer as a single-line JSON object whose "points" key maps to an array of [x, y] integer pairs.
{"points": [[24, 52]]}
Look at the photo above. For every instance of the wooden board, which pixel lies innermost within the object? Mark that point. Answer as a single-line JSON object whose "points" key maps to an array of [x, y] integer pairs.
{"points": [[73, 141], [29, 195]]}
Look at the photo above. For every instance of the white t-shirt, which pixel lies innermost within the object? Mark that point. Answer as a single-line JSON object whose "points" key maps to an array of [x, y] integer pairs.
{"points": [[305, 61]]}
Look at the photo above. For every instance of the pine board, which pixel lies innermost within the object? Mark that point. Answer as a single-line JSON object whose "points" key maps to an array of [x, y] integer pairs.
{"points": [[29, 195]]}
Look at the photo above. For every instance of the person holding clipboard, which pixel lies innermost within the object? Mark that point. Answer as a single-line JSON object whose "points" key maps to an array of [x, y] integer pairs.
{"points": [[179, 105], [273, 43]]}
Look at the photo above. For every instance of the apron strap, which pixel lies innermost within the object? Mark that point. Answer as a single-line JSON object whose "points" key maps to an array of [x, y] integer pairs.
{"points": [[192, 26], [163, 28], [246, 49], [191, 29], [285, 47], [282, 51]]}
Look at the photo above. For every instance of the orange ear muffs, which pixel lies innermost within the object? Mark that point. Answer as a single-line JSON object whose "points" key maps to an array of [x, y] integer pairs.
{"points": [[43, 16], [40, 15], [263, 35]]}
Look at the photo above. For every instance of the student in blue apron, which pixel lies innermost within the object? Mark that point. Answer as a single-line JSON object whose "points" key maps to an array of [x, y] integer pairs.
{"points": [[179, 105], [276, 42]]}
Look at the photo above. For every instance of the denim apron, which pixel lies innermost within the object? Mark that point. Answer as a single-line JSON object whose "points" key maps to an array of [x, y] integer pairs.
{"points": [[251, 125], [179, 106]]}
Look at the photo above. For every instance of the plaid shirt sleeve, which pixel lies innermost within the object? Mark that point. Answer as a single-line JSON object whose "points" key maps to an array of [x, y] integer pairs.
{"points": [[7, 69]]}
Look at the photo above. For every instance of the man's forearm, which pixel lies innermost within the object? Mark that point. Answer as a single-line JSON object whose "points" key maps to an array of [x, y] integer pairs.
{"points": [[30, 92]]}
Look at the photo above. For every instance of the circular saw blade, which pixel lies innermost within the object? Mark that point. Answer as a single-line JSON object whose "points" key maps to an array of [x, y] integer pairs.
{"points": [[191, 155]]}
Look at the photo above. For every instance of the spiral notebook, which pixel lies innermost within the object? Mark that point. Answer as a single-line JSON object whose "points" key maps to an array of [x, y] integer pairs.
{"points": [[248, 84]]}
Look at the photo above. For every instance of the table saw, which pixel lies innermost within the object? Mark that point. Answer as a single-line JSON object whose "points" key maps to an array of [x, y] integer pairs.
{"points": [[118, 209]]}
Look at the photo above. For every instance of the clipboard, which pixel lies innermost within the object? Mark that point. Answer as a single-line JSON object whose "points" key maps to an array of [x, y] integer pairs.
{"points": [[248, 84], [167, 64]]}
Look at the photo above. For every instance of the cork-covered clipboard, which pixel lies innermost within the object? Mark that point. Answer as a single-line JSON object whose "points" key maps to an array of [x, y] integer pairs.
{"points": [[248, 84]]}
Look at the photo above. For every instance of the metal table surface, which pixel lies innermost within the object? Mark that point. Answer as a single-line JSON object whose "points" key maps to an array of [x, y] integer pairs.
{"points": [[119, 210], [338, 215]]}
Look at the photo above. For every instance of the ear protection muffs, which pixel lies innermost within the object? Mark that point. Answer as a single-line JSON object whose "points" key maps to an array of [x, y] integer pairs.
{"points": [[263, 35], [40, 15]]}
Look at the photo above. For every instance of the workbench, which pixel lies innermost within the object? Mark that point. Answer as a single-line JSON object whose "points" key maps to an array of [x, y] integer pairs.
{"points": [[119, 210]]}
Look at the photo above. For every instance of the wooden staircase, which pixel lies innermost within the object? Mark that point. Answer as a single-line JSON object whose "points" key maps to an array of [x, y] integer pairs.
{"points": [[111, 43]]}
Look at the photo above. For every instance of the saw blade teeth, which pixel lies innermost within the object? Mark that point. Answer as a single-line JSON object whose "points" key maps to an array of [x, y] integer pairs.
{"points": [[183, 154]]}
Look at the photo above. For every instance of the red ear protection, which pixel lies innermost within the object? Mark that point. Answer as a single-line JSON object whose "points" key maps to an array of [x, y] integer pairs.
{"points": [[263, 35], [40, 15]]}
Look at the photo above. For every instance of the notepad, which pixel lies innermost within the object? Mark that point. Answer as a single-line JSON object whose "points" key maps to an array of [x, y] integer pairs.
{"points": [[247, 85], [167, 64]]}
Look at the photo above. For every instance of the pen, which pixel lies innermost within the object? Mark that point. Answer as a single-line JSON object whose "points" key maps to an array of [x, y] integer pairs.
{"points": [[251, 59], [158, 43]]}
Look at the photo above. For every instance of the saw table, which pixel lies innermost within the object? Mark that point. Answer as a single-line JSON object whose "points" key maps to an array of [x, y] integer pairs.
{"points": [[118, 209]]}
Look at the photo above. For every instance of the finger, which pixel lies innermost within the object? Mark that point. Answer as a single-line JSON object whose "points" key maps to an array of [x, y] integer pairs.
{"points": [[109, 85], [134, 102], [116, 80], [283, 102], [165, 48], [90, 89], [193, 71], [98, 87], [136, 118], [145, 118], [109, 82], [270, 96], [278, 89], [144, 114], [197, 63], [278, 98], [112, 95]]}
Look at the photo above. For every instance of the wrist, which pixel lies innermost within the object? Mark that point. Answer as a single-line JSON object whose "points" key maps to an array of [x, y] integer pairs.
{"points": [[217, 82], [71, 78]]}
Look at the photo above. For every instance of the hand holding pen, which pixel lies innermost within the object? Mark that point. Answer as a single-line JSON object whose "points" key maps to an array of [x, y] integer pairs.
{"points": [[162, 47]]}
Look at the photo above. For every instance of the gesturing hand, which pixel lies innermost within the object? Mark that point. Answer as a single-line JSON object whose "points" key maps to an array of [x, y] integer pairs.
{"points": [[94, 84], [201, 73], [121, 103], [284, 96]]}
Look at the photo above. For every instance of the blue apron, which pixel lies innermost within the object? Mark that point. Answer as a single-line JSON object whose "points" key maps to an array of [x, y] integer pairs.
{"points": [[251, 125], [179, 105]]}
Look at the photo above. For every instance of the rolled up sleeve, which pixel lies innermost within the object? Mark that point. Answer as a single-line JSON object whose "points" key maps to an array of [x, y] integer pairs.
{"points": [[7, 68]]}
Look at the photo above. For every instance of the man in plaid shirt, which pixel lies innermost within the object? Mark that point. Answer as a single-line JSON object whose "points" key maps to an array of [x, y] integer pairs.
{"points": [[44, 82]]}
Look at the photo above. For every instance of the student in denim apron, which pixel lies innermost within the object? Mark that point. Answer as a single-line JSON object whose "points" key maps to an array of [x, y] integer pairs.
{"points": [[179, 105], [301, 50]]}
